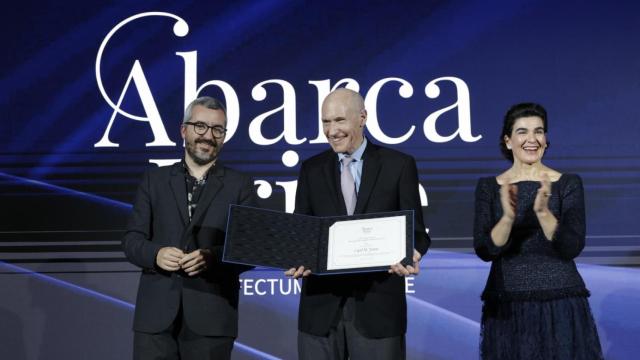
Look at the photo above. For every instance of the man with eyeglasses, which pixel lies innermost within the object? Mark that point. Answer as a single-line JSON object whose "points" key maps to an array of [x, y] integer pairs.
{"points": [[187, 304]]}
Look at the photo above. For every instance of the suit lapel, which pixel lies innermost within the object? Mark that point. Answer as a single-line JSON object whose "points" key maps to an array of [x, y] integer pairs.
{"points": [[179, 189], [332, 177], [370, 171]]}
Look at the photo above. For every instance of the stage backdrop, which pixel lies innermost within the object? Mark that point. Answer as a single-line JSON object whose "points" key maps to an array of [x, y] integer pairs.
{"points": [[92, 93]]}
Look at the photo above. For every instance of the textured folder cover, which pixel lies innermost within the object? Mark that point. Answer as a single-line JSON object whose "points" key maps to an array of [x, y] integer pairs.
{"points": [[281, 240]]}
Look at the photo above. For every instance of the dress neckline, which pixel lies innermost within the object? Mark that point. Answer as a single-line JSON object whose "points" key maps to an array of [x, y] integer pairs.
{"points": [[527, 181]]}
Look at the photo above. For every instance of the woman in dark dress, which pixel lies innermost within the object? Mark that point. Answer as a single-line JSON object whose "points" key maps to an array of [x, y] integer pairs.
{"points": [[530, 223]]}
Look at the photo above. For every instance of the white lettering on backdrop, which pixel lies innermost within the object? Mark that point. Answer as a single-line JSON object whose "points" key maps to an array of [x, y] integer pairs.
{"points": [[286, 113]]}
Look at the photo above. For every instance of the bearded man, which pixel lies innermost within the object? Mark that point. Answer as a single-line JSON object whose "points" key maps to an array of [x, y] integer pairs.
{"points": [[187, 303]]}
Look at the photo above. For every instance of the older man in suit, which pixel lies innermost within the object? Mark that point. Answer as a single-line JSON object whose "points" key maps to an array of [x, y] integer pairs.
{"points": [[359, 316], [187, 304]]}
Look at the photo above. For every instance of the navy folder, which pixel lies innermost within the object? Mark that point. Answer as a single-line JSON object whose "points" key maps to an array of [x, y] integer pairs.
{"points": [[280, 240]]}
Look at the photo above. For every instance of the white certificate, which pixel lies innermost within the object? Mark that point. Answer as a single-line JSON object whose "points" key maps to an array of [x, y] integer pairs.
{"points": [[367, 243]]}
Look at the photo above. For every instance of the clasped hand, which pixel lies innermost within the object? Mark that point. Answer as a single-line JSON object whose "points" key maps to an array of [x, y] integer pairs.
{"points": [[174, 259], [509, 198]]}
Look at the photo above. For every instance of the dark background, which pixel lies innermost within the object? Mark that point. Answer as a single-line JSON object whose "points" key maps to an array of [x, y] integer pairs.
{"points": [[66, 290]]}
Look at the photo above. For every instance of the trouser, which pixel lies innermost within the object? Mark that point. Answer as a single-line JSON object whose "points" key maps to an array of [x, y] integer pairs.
{"points": [[178, 342], [345, 342]]}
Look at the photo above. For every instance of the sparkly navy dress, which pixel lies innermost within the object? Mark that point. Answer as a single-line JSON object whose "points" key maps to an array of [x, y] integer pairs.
{"points": [[535, 302]]}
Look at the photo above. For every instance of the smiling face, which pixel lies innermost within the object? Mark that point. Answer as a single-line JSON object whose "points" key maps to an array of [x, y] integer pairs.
{"points": [[343, 119], [528, 140], [203, 149]]}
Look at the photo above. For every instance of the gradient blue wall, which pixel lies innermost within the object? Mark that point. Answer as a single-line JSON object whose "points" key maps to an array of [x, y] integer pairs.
{"points": [[66, 290]]}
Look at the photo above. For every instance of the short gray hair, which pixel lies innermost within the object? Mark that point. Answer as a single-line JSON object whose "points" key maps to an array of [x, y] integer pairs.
{"points": [[209, 103]]}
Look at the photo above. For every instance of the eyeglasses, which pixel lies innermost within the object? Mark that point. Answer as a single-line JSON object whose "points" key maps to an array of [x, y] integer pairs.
{"points": [[201, 128]]}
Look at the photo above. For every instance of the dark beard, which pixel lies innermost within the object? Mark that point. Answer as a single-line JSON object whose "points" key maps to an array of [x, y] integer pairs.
{"points": [[198, 159]]}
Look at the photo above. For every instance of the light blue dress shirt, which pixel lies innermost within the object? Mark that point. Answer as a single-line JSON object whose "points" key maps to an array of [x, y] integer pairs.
{"points": [[355, 166]]}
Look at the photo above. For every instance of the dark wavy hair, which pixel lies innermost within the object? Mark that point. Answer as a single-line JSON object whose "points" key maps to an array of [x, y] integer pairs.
{"points": [[514, 113]]}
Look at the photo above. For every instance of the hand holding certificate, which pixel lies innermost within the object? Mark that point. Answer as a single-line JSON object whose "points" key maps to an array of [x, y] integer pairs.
{"points": [[322, 245], [402, 269]]}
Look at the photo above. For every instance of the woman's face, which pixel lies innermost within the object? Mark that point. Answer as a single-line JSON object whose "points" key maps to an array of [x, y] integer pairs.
{"points": [[528, 140]]}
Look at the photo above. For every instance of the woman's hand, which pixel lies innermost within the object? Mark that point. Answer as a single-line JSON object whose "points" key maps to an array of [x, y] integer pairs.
{"points": [[509, 200], [541, 203]]}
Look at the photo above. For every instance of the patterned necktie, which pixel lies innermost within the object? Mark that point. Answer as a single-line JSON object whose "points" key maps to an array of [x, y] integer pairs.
{"points": [[348, 186]]}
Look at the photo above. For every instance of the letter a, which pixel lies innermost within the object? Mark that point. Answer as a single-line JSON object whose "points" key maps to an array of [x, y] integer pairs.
{"points": [[160, 137]]}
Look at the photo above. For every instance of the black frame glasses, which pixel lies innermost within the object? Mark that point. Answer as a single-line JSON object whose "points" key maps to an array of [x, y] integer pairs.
{"points": [[201, 128]]}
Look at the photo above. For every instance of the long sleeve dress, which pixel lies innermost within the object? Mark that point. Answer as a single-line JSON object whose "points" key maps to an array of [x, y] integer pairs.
{"points": [[535, 301]]}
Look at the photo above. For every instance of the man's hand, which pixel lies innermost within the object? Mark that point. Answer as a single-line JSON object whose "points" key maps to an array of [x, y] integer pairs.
{"points": [[401, 270], [300, 272], [168, 258], [196, 262]]}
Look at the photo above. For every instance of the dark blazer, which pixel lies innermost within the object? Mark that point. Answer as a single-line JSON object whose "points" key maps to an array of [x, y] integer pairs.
{"points": [[159, 219], [389, 183]]}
